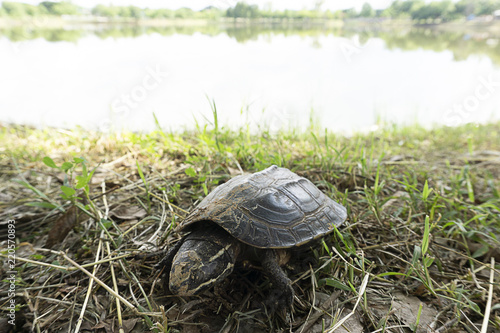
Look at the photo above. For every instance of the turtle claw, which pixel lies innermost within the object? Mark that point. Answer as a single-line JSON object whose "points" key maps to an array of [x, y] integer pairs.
{"points": [[280, 299]]}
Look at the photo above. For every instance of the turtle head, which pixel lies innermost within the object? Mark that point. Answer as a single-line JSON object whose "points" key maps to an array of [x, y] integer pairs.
{"points": [[203, 260]]}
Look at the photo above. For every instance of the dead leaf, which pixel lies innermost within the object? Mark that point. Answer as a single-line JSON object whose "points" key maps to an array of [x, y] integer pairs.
{"points": [[129, 324], [106, 324], [191, 329], [233, 172], [352, 324], [397, 201], [128, 212], [484, 250], [406, 309], [4, 325], [110, 325], [399, 158], [64, 224], [99, 176], [5, 197]]}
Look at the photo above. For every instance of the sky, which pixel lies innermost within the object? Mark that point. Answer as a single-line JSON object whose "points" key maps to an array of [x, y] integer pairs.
{"points": [[200, 4]]}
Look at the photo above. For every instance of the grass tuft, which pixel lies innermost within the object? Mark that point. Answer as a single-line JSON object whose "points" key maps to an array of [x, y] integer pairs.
{"points": [[418, 251]]}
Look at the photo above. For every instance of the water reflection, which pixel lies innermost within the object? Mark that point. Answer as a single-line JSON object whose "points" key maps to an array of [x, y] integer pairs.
{"points": [[462, 44], [279, 75]]}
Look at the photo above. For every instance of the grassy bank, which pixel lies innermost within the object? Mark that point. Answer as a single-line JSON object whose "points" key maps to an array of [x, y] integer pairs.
{"points": [[459, 25], [46, 22], [423, 228]]}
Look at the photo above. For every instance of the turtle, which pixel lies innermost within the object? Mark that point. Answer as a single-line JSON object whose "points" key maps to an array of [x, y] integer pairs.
{"points": [[261, 215]]}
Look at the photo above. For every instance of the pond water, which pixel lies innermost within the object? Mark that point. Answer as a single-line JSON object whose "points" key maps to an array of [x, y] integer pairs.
{"points": [[116, 78]]}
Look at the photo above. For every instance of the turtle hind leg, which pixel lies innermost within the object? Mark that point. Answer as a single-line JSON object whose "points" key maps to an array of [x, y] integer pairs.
{"points": [[282, 293]]}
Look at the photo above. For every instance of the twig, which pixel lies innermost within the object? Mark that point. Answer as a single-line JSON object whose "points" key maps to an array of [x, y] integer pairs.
{"points": [[388, 328], [357, 270], [468, 258], [433, 324], [33, 310], [448, 324], [163, 218], [54, 300], [39, 263], [115, 287], [64, 268], [360, 296], [319, 312], [44, 287], [161, 199], [384, 245], [37, 305], [73, 310], [474, 278], [105, 200], [487, 311], [314, 284], [89, 289], [99, 282]]}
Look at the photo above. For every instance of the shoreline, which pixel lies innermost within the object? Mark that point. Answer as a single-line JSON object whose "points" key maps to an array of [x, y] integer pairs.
{"points": [[61, 22], [373, 24]]}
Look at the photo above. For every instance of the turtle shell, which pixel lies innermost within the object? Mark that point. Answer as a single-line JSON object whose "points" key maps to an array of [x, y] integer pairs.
{"points": [[273, 208]]}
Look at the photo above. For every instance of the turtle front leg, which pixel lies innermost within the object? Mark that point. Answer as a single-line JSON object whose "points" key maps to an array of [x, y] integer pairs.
{"points": [[282, 285]]}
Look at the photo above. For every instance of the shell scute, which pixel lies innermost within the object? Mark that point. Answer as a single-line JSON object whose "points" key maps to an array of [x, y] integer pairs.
{"points": [[273, 208]]}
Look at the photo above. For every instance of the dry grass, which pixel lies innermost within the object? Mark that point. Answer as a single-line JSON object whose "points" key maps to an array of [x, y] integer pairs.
{"points": [[423, 230]]}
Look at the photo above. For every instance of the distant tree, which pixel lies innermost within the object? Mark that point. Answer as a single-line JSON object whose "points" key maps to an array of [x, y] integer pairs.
{"points": [[486, 7], [411, 5], [243, 10], [211, 13], [184, 13], [465, 7], [415, 9], [124, 11], [307, 14], [367, 10], [437, 9], [159, 13], [60, 8], [337, 15], [477, 7], [106, 11], [402, 9], [349, 13], [135, 12], [14, 9], [318, 4]]}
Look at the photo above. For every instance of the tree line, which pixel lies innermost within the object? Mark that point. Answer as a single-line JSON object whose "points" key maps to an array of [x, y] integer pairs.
{"points": [[409, 9], [445, 10]]}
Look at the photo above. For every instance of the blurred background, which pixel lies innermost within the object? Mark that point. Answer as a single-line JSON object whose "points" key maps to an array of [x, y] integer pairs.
{"points": [[347, 66]]}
